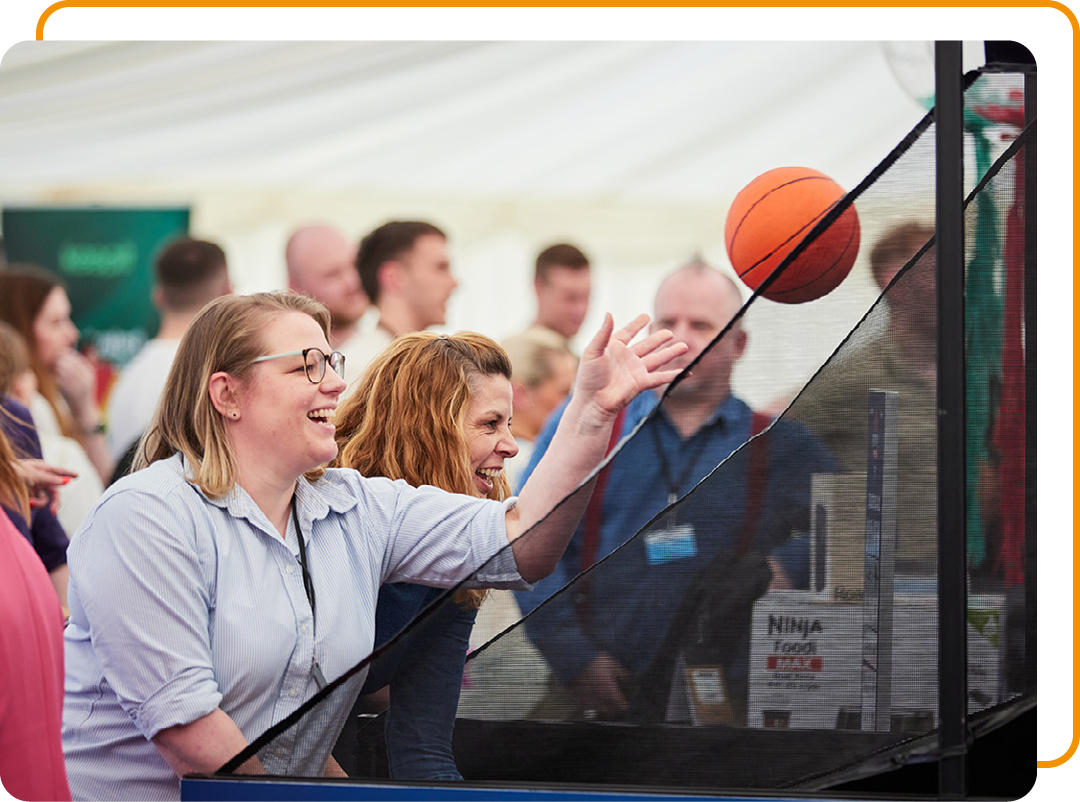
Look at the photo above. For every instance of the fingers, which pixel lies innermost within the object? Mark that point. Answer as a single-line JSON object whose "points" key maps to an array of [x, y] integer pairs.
{"points": [[631, 329], [599, 342], [658, 358], [600, 687], [652, 342], [37, 472], [624, 335]]}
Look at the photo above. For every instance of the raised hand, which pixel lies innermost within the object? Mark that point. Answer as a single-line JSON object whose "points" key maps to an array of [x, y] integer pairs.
{"points": [[77, 379], [613, 372]]}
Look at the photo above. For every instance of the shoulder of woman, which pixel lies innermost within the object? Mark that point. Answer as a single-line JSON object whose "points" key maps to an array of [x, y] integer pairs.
{"points": [[345, 488], [158, 497], [350, 479], [162, 483]]}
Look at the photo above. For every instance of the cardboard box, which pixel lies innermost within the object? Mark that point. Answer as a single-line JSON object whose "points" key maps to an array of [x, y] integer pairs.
{"points": [[806, 661], [838, 536]]}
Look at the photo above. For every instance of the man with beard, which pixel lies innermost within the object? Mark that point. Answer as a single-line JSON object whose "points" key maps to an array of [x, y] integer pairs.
{"points": [[321, 264]]}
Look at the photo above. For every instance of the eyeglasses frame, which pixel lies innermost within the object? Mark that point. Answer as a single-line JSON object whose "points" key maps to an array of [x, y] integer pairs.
{"points": [[327, 360]]}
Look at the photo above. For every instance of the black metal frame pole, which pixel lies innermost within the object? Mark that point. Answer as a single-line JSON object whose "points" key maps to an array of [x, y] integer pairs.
{"points": [[1030, 353], [952, 536]]}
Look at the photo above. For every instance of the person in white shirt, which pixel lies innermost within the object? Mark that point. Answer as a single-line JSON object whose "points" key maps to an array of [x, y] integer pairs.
{"points": [[405, 271], [189, 273]]}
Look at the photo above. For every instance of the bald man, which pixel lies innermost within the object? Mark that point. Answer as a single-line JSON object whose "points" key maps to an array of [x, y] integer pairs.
{"points": [[601, 641], [321, 264]]}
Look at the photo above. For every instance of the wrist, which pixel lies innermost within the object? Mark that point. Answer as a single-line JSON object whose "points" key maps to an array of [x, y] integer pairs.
{"points": [[93, 427], [589, 415]]}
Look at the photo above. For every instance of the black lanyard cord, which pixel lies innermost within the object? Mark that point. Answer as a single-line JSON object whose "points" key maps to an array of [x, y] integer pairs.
{"points": [[691, 455], [309, 586]]}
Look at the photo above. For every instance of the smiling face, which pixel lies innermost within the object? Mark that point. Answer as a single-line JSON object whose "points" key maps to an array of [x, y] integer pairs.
{"points": [[54, 333], [282, 419], [487, 429]]}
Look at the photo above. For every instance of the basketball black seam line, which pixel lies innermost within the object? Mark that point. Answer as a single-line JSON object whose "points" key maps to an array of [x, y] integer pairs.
{"points": [[769, 255], [824, 272], [801, 231]]}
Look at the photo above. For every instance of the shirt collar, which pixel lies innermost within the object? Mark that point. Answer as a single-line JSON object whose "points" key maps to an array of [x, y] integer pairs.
{"points": [[314, 500], [731, 415]]}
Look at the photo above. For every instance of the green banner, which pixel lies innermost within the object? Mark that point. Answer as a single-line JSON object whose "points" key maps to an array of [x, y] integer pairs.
{"points": [[106, 258]]}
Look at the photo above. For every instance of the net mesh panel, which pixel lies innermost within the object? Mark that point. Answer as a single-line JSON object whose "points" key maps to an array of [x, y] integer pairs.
{"points": [[754, 649]]}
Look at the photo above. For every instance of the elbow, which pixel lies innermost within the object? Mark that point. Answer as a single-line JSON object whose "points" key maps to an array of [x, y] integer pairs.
{"points": [[533, 574], [539, 548], [531, 565]]}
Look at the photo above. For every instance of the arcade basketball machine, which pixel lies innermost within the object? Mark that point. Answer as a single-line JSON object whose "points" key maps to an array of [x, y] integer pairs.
{"points": [[892, 492]]}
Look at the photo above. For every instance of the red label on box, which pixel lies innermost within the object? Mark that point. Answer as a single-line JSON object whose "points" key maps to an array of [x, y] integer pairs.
{"points": [[783, 662]]}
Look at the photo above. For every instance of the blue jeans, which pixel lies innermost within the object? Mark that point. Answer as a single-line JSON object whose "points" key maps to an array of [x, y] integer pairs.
{"points": [[424, 673]]}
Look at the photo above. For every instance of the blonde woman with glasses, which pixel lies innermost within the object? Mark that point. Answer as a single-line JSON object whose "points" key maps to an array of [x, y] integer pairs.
{"points": [[217, 589]]}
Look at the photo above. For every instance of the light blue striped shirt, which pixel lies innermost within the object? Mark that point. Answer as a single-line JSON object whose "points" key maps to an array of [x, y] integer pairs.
{"points": [[181, 604]]}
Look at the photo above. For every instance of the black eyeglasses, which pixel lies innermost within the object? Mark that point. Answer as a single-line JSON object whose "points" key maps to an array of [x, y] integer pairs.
{"points": [[315, 362]]}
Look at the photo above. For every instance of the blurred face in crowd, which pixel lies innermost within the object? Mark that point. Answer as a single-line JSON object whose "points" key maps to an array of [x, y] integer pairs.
{"points": [[696, 306], [911, 299], [426, 280], [549, 393], [562, 300], [323, 267], [54, 333]]}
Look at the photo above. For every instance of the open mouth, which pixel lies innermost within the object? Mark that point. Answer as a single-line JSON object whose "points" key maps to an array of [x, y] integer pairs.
{"points": [[322, 416], [485, 479]]}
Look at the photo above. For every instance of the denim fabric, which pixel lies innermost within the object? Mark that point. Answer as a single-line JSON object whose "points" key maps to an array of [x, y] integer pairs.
{"points": [[424, 673]]}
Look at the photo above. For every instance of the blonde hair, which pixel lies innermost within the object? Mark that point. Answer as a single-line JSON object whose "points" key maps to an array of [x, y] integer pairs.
{"points": [[14, 356], [13, 492], [534, 354], [406, 417], [226, 336]]}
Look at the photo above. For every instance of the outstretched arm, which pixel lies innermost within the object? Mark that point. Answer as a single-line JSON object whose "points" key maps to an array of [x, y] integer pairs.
{"points": [[611, 374]]}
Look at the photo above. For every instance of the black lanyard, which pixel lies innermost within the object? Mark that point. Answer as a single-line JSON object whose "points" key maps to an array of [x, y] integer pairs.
{"points": [[692, 453], [309, 589]]}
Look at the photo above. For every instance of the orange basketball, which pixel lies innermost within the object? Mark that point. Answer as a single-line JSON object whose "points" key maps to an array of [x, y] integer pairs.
{"points": [[771, 215]]}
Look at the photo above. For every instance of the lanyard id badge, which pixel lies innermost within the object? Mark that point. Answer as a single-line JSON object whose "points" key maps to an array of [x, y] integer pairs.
{"points": [[670, 542]]}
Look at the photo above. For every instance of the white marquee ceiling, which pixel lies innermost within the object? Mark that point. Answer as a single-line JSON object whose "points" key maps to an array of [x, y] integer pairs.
{"points": [[632, 150]]}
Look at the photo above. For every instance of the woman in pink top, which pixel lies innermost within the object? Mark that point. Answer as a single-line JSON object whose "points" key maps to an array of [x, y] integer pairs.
{"points": [[31, 657]]}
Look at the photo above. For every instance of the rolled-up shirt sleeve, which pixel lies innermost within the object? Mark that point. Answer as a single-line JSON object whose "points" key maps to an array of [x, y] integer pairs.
{"points": [[140, 575]]}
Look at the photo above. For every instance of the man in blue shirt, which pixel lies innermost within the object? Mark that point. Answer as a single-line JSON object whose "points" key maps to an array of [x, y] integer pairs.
{"points": [[603, 635]]}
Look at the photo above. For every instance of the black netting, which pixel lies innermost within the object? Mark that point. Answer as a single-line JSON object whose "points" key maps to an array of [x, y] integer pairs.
{"points": [[775, 626]]}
